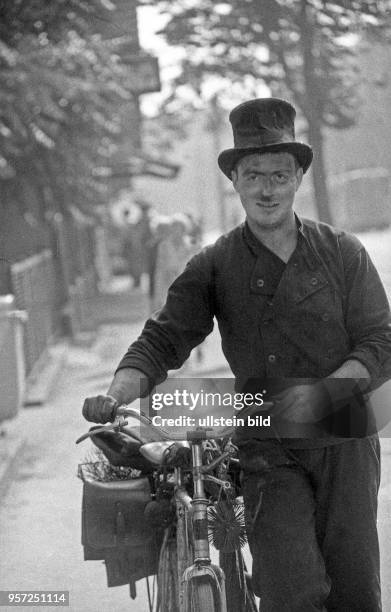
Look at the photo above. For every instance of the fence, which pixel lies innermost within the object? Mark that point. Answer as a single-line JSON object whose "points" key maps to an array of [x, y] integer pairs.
{"points": [[34, 287], [12, 371], [360, 199]]}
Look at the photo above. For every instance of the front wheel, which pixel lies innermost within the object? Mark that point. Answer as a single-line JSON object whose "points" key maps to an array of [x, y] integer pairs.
{"points": [[167, 577], [203, 597]]}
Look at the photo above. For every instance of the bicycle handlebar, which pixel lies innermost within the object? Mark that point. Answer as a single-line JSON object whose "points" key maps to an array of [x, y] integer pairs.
{"points": [[200, 433]]}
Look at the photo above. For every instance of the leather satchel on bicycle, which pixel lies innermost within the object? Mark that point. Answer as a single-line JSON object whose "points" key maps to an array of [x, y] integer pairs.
{"points": [[114, 524], [114, 529]]}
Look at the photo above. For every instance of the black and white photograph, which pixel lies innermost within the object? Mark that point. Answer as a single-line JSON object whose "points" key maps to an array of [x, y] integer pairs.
{"points": [[195, 322]]}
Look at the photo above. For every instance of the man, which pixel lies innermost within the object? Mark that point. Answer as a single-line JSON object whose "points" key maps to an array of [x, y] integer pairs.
{"points": [[299, 304]]}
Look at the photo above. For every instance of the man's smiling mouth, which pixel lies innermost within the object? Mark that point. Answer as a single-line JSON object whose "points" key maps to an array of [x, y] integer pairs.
{"points": [[267, 204]]}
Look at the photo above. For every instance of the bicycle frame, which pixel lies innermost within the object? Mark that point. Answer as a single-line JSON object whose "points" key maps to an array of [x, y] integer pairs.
{"points": [[201, 567]]}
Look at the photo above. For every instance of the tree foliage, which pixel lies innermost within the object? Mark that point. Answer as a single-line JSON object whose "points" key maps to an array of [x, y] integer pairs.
{"points": [[305, 50], [62, 90]]}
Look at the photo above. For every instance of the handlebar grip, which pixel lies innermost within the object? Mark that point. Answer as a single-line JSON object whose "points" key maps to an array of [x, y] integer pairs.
{"points": [[113, 414]]}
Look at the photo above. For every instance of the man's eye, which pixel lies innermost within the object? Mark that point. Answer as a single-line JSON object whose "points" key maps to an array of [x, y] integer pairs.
{"points": [[281, 178], [252, 177]]}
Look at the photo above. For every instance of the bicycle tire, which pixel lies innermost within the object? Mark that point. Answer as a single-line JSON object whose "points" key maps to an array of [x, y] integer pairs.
{"points": [[167, 576], [203, 597], [176, 554]]}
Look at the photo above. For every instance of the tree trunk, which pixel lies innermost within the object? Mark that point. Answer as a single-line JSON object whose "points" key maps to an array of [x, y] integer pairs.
{"points": [[215, 124], [313, 110], [318, 171]]}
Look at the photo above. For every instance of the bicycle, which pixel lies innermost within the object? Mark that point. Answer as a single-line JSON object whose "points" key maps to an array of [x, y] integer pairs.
{"points": [[184, 470]]}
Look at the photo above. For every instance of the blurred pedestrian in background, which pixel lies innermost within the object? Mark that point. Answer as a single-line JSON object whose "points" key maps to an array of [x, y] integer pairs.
{"points": [[173, 251], [138, 240], [131, 245], [195, 231], [160, 227]]}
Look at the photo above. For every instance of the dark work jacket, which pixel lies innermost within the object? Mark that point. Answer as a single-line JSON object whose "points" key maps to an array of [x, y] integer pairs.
{"points": [[329, 306]]}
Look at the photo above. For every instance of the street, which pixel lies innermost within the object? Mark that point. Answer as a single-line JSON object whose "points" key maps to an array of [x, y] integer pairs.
{"points": [[41, 497]]}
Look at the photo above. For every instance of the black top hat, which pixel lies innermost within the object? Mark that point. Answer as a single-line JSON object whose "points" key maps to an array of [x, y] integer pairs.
{"points": [[264, 125]]}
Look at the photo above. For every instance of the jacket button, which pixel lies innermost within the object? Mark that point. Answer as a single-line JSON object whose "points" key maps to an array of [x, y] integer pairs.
{"points": [[325, 316], [314, 281], [271, 358], [260, 282]]}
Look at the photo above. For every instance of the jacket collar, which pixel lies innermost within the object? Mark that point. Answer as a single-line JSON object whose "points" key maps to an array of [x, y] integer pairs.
{"points": [[257, 247]]}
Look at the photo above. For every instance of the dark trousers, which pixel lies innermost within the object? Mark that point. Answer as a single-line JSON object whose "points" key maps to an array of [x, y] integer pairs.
{"points": [[311, 521]]}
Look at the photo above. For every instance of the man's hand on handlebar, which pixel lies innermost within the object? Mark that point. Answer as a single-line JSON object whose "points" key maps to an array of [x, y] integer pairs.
{"points": [[100, 409], [128, 384]]}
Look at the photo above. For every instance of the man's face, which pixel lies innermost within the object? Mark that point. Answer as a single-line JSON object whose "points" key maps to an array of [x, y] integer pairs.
{"points": [[267, 184]]}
